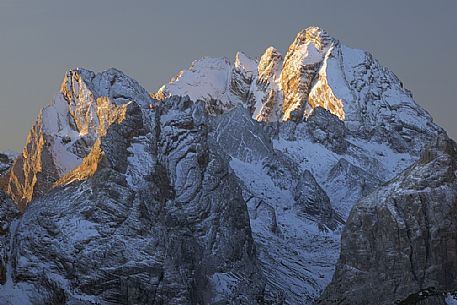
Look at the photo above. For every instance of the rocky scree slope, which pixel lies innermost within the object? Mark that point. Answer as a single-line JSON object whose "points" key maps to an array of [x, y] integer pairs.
{"points": [[231, 184]]}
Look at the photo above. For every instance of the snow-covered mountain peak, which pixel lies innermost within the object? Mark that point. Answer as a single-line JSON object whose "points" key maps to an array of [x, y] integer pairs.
{"points": [[111, 83], [6, 160], [274, 87], [206, 78], [317, 71], [245, 64], [81, 112]]}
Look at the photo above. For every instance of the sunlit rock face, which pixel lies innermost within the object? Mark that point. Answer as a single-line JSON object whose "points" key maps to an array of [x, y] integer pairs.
{"points": [[233, 188], [267, 84], [65, 131], [300, 71]]}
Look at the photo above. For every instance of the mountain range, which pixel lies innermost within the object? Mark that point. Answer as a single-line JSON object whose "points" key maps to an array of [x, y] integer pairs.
{"points": [[306, 178]]}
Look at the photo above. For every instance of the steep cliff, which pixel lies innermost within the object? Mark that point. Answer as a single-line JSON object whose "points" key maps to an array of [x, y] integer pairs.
{"points": [[399, 244]]}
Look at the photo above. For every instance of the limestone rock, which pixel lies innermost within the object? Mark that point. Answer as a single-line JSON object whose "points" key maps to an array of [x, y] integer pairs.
{"points": [[402, 238]]}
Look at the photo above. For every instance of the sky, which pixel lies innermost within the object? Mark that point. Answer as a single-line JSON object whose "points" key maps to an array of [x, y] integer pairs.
{"points": [[152, 40]]}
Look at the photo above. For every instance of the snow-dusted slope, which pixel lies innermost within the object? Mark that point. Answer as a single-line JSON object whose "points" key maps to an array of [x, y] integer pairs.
{"points": [[207, 78]]}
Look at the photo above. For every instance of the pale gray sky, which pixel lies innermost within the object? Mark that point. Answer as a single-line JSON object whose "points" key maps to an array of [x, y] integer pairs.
{"points": [[151, 40]]}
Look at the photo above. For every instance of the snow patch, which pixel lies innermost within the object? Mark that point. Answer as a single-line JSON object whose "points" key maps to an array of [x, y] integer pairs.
{"points": [[451, 299], [77, 230], [311, 156], [245, 64], [56, 125], [206, 78], [141, 162], [223, 285], [393, 162]]}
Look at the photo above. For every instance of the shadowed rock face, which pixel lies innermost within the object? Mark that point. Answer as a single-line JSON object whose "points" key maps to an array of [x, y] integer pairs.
{"points": [[8, 212], [5, 162], [400, 242], [171, 229]]}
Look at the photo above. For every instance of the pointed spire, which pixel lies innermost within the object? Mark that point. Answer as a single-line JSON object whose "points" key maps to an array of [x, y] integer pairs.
{"points": [[318, 36]]}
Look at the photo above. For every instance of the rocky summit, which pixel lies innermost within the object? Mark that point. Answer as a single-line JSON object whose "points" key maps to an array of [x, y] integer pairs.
{"points": [[306, 178]]}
